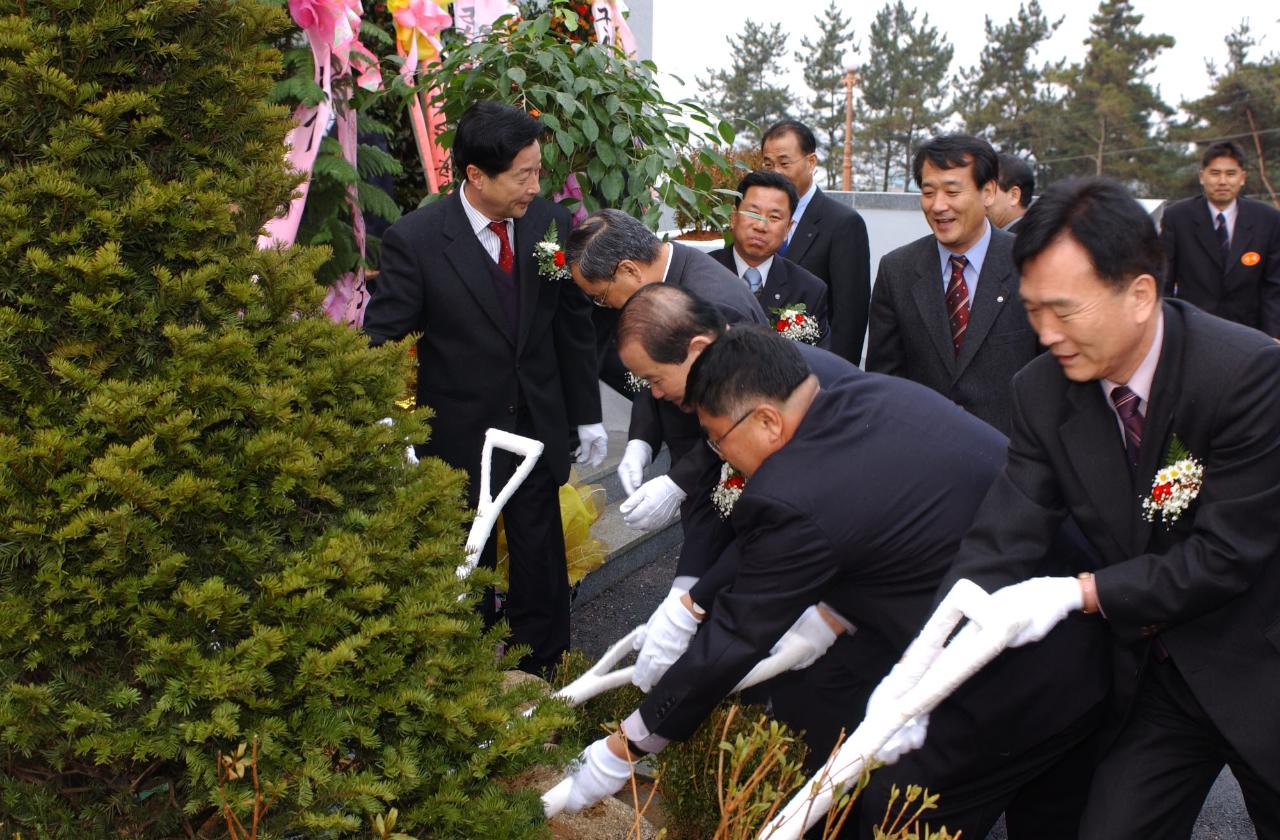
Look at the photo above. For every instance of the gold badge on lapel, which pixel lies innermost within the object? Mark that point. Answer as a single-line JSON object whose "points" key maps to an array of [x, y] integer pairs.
{"points": [[1250, 258]]}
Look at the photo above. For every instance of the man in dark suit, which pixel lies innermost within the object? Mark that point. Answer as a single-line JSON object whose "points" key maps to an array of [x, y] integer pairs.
{"points": [[661, 332], [1223, 250], [501, 346], [827, 238], [761, 220], [610, 256], [945, 312], [1015, 187], [857, 497], [1188, 581]]}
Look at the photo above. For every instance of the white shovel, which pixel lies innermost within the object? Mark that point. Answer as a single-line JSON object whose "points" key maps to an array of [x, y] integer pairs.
{"points": [[488, 508], [941, 669]]}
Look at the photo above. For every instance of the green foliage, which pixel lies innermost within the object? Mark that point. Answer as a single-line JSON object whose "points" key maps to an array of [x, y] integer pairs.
{"points": [[748, 94], [719, 170], [206, 537], [609, 123], [904, 88], [823, 62], [1006, 97]]}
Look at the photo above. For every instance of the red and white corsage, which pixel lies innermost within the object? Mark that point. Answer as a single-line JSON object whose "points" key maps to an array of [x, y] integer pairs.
{"points": [[1175, 487], [796, 324], [727, 491], [551, 260]]}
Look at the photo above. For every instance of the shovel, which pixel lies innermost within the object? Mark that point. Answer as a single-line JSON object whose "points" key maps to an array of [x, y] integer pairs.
{"points": [[488, 508]]}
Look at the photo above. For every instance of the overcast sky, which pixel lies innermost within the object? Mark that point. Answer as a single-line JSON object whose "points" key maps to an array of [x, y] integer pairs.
{"points": [[689, 35]]}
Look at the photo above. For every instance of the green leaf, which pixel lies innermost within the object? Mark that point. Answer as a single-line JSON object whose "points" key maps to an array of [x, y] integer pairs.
{"points": [[621, 133], [726, 132], [516, 75], [590, 131], [611, 185], [565, 142]]}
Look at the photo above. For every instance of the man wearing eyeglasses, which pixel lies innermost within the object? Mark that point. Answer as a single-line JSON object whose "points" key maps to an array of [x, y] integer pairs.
{"points": [[760, 223]]}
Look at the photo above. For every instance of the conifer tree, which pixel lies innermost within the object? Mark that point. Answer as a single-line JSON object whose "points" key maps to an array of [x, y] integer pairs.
{"points": [[904, 88], [748, 94], [206, 538], [823, 60], [1006, 97]]}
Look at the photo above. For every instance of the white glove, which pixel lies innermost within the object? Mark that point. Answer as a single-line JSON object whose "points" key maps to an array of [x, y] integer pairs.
{"points": [[809, 638], [909, 737], [593, 444], [635, 458], [666, 638], [599, 773], [654, 505], [1034, 607]]}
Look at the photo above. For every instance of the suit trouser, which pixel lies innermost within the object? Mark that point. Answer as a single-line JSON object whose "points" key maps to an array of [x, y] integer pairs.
{"points": [[537, 606], [1153, 780]]}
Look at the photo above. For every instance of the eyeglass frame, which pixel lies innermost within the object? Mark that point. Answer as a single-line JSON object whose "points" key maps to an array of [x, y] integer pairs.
{"points": [[715, 444]]}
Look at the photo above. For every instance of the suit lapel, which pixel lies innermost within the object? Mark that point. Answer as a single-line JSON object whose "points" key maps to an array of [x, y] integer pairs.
{"points": [[1091, 434], [1206, 235], [1242, 237], [928, 294], [530, 228], [777, 288], [467, 257], [992, 295], [807, 231], [1157, 429]]}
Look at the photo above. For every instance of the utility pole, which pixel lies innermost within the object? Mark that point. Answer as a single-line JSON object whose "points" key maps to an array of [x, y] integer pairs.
{"points": [[850, 79]]}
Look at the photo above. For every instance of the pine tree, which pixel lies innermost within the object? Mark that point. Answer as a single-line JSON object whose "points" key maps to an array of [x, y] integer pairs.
{"points": [[823, 63], [1006, 97], [1111, 121], [1243, 104], [748, 94], [208, 538], [904, 88]]}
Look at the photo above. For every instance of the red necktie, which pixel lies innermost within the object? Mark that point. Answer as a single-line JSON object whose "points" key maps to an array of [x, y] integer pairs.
{"points": [[958, 302], [506, 259], [1126, 403]]}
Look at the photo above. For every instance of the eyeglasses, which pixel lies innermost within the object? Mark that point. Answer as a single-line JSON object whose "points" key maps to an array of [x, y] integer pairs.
{"points": [[715, 444], [599, 300]]}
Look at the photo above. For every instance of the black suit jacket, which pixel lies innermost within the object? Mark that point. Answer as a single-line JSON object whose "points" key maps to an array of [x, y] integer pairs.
{"points": [[1209, 585], [864, 509], [831, 243], [1240, 292], [787, 284], [436, 280], [911, 332]]}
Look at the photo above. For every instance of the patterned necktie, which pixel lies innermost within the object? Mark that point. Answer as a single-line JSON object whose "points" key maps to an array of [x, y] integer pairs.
{"points": [[1126, 403], [958, 302], [506, 259], [1224, 238], [752, 276]]}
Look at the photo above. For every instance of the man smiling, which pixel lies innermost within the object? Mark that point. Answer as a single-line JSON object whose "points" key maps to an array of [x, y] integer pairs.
{"points": [[944, 311]]}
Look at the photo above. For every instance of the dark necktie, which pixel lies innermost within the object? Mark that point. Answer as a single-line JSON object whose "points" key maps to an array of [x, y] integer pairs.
{"points": [[506, 259], [958, 302], [1224, 238], [1126, 403]]}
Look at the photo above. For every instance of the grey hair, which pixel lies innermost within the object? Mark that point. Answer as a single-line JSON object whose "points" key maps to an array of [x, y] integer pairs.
{"points": [[606, 238]]}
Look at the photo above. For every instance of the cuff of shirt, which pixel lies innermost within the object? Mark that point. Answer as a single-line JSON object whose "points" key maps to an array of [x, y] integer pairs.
{"points": [[638, 733]]}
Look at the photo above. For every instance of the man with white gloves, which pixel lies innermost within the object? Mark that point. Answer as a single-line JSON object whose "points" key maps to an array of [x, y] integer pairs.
{"points": [[1157, 427], [868, 535]]}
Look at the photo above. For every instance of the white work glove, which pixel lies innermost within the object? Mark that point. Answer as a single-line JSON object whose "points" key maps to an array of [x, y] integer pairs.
{"points": [[593, 444], [635, 458], [884, 703], [1034, 607], [806, 640], [910, 737], [599, 773], [666, 637], [654, 505]]}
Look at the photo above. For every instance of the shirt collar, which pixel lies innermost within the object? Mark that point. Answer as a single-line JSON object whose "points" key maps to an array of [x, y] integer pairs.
{"points": [[479, 221], [975, 255], [671, 252], [1230, 213], [1145, 375], [763, 267], [803, 203]]}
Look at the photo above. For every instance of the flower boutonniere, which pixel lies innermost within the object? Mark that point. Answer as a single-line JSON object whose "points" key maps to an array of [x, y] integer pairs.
{"points": [[795, 323], [1175, 487], [551, 262], [727, 491], [635, 384]]}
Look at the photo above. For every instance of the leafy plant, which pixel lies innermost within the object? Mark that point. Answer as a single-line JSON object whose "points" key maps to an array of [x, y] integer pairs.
{"points": [[609, 124]]}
